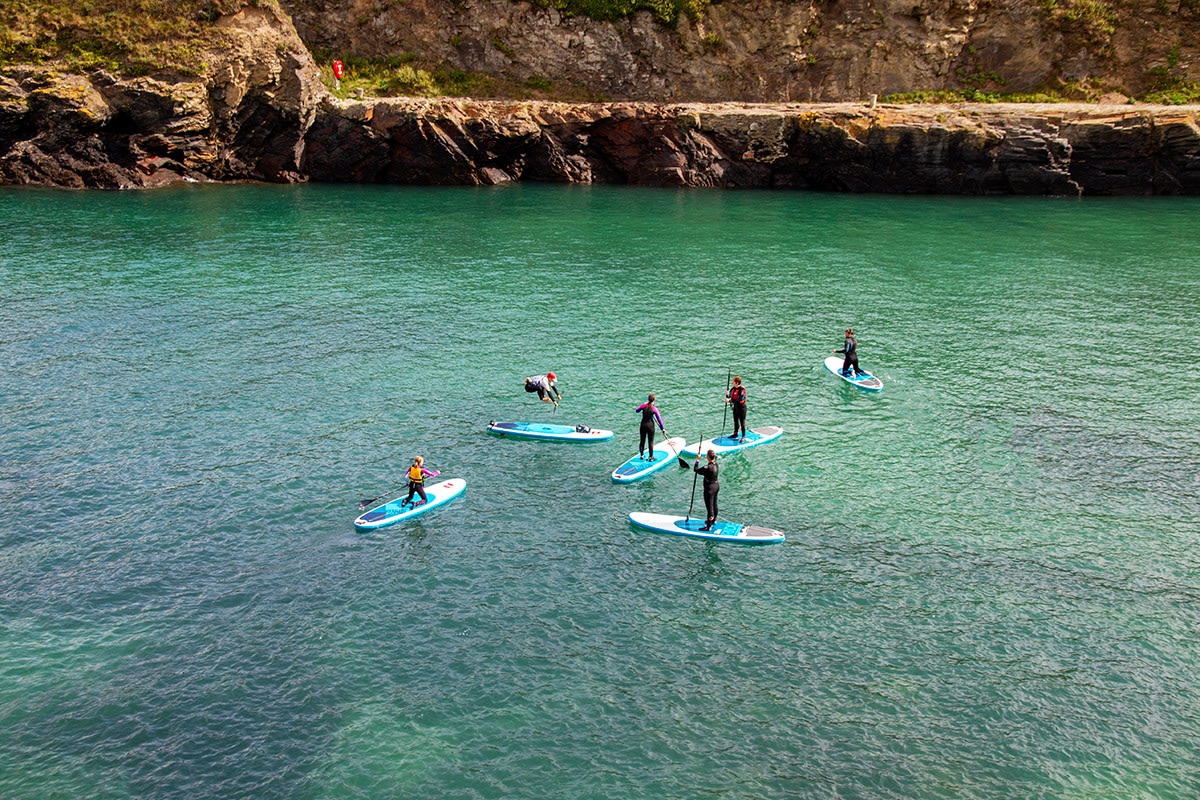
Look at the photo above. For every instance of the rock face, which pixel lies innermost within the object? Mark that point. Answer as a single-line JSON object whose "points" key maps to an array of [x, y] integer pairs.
{"points": [[976, 149], [777, 51], [246, 122], [262, 114]]}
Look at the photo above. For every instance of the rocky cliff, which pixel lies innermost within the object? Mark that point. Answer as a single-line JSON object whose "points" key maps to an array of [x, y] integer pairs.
{"points": [[261, 113], [986, 149], [775, 51]]}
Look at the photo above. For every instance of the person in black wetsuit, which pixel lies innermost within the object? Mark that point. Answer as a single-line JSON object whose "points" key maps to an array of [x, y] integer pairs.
{"points": [[736, 398], [850, 349], [650, 417], [711, 487]]}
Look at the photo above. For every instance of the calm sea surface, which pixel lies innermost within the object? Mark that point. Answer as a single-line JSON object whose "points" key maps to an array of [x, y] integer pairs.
{"points": [[990, 586]]}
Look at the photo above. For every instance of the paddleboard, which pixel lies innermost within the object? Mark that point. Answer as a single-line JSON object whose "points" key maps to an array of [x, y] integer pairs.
{"points": [[548, 431], [637, 467], [722, 531], [723, 445], [392, 511], [863, 380]]}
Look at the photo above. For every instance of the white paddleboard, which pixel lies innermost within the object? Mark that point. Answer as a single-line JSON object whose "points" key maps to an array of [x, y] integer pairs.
{"points": [[723, 445], [548, 431], [394, 511], [722, 531], [863, 380], [636, 468]]}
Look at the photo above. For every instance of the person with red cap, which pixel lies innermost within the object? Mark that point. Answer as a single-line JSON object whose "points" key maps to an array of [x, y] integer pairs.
{"points": [[544, 386]]}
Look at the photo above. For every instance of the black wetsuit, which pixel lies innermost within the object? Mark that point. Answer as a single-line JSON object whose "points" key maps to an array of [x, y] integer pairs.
{"points": [[851, 351], [711, 487], [737, 401], [650, 419]]}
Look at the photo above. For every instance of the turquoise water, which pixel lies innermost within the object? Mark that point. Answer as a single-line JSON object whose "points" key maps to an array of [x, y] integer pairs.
{"points": [[990, 586]]}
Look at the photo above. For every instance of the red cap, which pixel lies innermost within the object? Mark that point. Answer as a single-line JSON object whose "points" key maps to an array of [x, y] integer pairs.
{"points": [[551, 376]]}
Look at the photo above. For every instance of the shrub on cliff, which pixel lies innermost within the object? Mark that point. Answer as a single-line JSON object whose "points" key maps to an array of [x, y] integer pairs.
{"points": [[127, 37], [666, 10]]}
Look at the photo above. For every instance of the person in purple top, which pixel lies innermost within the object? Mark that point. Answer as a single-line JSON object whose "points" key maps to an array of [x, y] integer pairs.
{"points": [[650, 416]]}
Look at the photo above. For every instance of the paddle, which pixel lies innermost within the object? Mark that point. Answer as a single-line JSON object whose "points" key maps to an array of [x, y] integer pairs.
{"points": [[723, 416], [364, 504], [695, 475], [682, 462]]}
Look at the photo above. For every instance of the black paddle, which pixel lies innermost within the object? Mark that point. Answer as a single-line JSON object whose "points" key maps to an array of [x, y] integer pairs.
{"points": [[363, 504], [667, 441], [723, 416], [695, 475]]}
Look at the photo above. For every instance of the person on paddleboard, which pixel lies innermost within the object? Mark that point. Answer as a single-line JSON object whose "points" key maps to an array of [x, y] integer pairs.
{"points": [[850, 349], [711, 487], [650, 416], [416, 481], [736, 398], [544, 386]]}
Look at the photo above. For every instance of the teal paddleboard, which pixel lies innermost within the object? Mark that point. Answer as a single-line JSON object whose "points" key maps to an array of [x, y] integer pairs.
{"points": [[637, 467], [863, 380], [548, 432], [723, 445], [396, 510], [722, 531]]}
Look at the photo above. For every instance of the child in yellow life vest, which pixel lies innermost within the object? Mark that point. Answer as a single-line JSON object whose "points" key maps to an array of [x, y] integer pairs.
{"points": [[416, 481]]}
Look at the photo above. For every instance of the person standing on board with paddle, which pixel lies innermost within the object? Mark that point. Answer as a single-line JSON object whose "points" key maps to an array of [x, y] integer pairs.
{"points": [[544, 386], [416, 481], [736, 399], [711, 487], [850, 349], [650, 416]]}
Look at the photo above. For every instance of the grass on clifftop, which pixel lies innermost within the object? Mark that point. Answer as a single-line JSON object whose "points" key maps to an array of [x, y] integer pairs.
{"points": [[127, 37], [405, 75], [665, 10]]}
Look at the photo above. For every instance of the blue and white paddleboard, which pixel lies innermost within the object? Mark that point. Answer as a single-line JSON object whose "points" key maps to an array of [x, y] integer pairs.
{"points": [[548, 431], [664, 455], [393, 511], [721, 531], [723, 445], [863, 380]]}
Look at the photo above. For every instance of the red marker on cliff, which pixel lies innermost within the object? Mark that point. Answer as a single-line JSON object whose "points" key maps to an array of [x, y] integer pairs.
{"points": [[339, 69]]}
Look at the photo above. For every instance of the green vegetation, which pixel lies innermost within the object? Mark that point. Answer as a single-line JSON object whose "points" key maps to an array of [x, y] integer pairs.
{"points": [[128, 37], [1096, 19], [968, 95], [667, 11], [403, 75]]}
